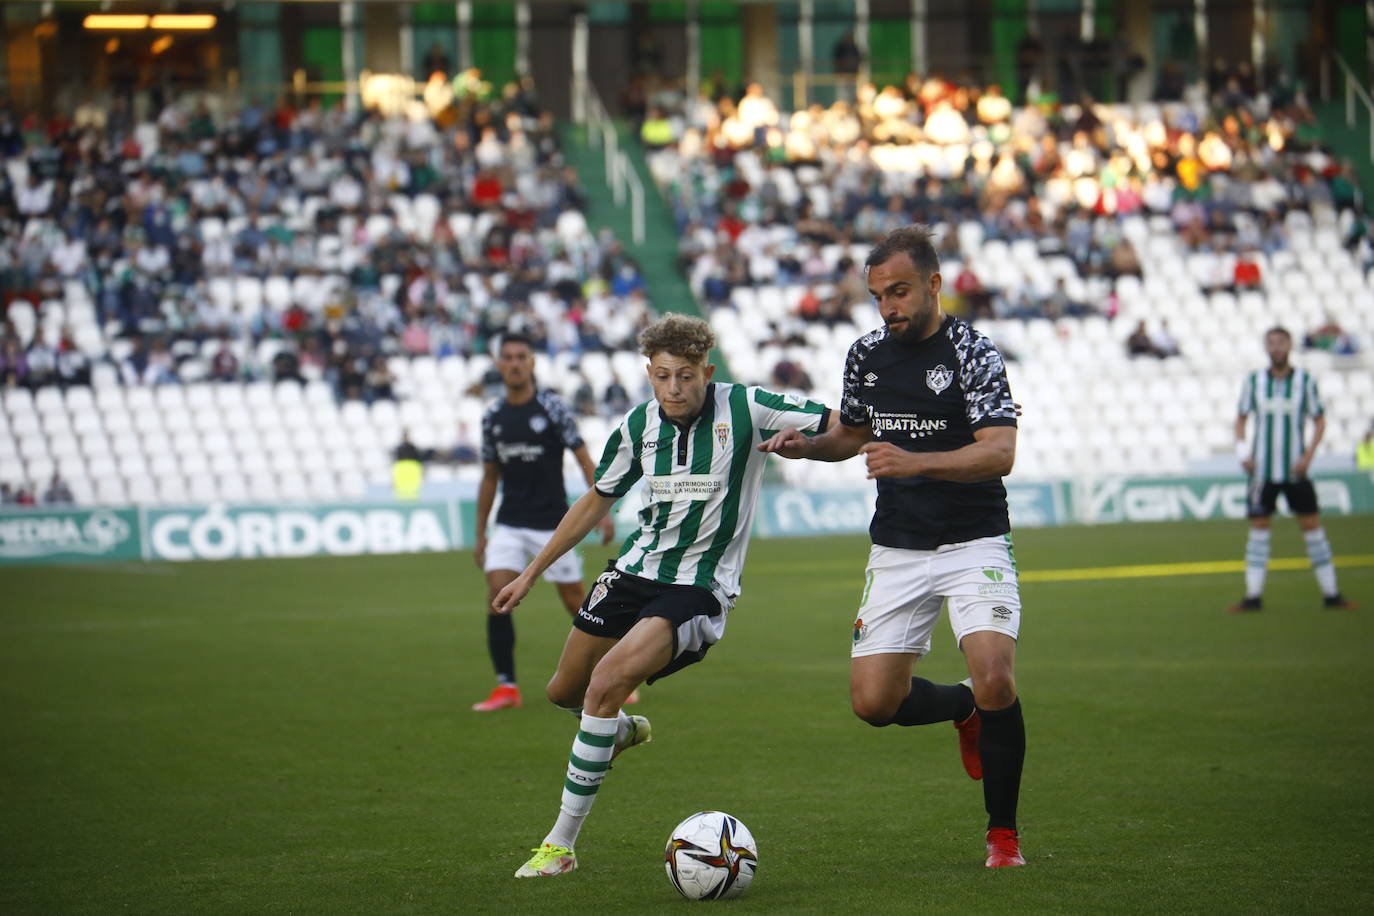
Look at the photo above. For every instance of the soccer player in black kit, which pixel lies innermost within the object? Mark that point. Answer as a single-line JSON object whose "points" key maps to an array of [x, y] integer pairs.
{"points": [[523, 438], [926, 401]]}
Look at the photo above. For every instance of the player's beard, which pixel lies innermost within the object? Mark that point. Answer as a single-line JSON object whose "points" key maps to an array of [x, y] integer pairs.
{"points": [[912, 330]]}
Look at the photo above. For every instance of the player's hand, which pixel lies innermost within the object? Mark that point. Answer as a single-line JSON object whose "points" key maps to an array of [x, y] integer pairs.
{"points": [[887, 460], [479, 551], [789, 443], [1248, 466], [509, 598], [1300, 467], [1018, 408], [607, 526]]}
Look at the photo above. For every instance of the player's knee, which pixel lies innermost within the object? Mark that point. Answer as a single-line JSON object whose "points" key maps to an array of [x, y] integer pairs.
{"points": [[560, 695], [995, 690], [875, 709], [609, 687]]}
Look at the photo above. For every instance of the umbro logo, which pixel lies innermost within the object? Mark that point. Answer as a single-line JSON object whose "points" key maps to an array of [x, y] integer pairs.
{"points": [[869, 380]]}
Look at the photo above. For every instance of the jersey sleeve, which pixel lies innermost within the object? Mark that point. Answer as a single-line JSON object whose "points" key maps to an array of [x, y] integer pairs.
{"points": [[1246, 405], [1313, 399], [488, 446], [853, 411], [561, 416], [773, 411], [987, 393], [620, 469]]}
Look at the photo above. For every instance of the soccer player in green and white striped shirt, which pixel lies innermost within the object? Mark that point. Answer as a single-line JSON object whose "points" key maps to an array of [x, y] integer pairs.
{"points": [[1282, 398], [664, 601]]}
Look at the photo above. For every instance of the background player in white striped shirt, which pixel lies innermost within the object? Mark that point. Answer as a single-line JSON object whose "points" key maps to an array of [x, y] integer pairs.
{"points": [[664, 601], [1282, 398]]}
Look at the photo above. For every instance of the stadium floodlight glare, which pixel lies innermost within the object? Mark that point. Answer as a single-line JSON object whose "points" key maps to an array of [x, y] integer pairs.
{"points": [[121, 21], [184, 21]]}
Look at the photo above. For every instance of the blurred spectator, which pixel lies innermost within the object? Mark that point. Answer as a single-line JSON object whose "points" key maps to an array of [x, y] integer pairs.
{"points": [[224, 367], [407, 470], [1165, 343], [1247, 272], [1364, 452], [23, 496], [1140, 343], [790, 375], [1331, 337], [14, 367], [7, 495], [58, 493], [845, 56]]}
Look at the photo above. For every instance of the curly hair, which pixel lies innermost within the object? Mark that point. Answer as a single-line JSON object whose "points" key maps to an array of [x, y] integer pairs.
{"points": [[678, 335]]}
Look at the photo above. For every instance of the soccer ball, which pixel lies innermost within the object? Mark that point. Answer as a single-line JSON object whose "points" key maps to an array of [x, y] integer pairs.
{"points": [[711, 856]]}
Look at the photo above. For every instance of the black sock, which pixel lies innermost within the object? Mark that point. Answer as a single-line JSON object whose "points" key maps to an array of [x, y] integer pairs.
{"points": [[929, 703], [501, 646], [1002, 745]]}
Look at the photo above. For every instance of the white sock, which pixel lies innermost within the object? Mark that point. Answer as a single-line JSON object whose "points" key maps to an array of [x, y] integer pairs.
{"points": [[1256, 561], [622, 726], [587, 764], [1319, 552]]}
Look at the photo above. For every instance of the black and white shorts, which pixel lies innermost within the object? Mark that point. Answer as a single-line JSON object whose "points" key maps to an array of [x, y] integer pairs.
{"points": [[618, 600], [1262, 498]]}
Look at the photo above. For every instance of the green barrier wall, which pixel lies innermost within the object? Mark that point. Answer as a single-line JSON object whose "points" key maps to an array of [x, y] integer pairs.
{"points": [[349, 529]]}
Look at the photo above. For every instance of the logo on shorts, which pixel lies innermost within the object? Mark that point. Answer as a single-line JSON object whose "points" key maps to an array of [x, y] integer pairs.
{"points": [[860, 629], [996, 584], [938, 379], [590, 617], [1001, 613], [723, 433], [599, 592]]}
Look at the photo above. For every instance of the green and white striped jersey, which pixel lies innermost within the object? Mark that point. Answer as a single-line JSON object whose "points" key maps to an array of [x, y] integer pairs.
{"points": [[1281, 407], [701, 482]]}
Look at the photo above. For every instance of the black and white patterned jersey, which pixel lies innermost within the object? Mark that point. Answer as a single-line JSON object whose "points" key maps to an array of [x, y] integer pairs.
{"points": [[527, 440], [930, 397]]}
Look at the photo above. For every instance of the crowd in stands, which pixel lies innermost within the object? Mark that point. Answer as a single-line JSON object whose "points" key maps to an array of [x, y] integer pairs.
{"points": [[296, 243], [764, 196]]}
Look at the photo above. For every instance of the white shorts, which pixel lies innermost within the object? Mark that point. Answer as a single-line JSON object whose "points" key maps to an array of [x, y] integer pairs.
{"points": [[514, 548], [904, 589]]}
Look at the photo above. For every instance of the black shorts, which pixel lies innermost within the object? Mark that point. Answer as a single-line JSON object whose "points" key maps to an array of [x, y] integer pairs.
{"points": [[1263, 498], [618, 600]]}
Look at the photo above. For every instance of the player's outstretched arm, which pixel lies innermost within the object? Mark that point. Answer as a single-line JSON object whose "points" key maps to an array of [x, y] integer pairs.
{"points": [[580, 518], [990, 456], [584, 461], [837, 443]]}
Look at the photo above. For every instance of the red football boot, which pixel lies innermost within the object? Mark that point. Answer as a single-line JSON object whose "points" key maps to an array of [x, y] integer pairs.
{"points": [[506, 696], [1004, 848]]}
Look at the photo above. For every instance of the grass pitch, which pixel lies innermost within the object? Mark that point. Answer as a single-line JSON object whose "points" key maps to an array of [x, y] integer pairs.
{"points": [[294, 737]]}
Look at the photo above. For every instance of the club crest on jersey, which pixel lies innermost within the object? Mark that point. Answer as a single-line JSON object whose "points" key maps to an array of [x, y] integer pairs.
{"points": [[723, 434], [938, 379], [539, 423]]}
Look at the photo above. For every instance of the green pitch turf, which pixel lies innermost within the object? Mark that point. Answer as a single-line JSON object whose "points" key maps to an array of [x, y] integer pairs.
{"points": [[295, 737]]}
